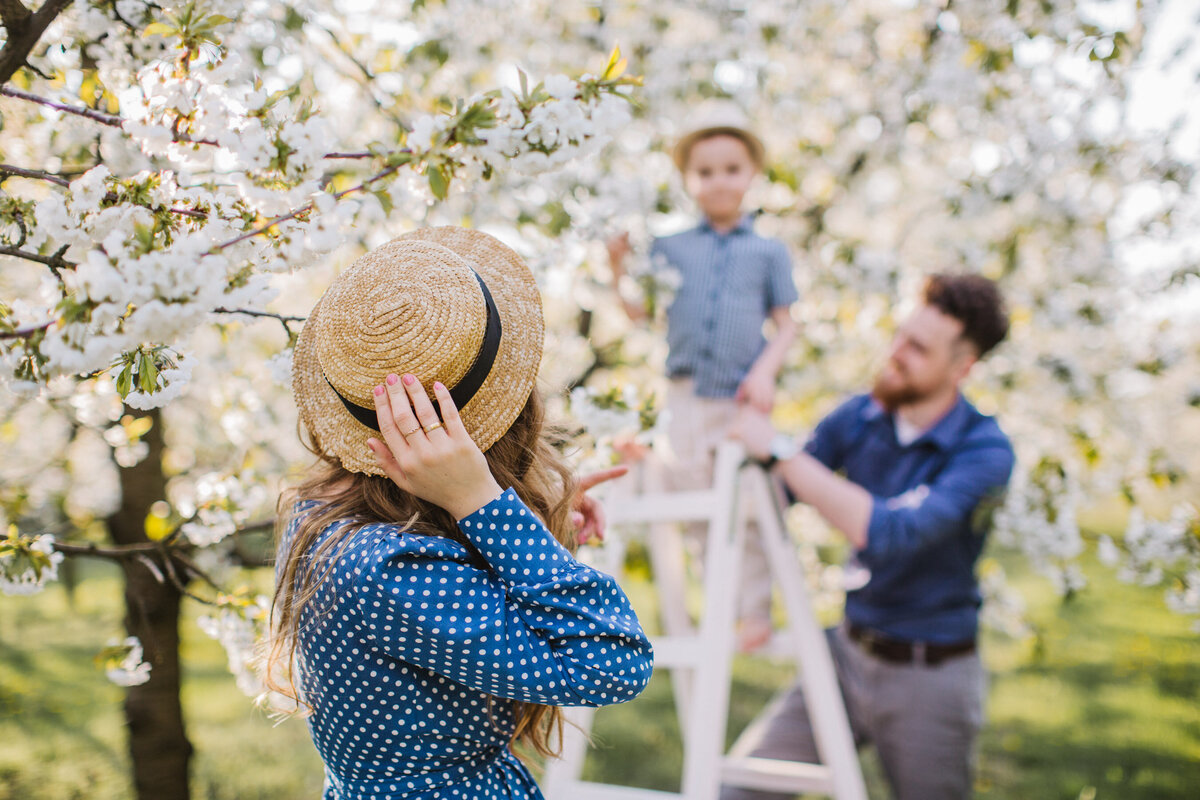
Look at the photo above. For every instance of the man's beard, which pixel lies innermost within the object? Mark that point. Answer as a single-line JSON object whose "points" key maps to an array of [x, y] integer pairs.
{"points": [[893, 394]]}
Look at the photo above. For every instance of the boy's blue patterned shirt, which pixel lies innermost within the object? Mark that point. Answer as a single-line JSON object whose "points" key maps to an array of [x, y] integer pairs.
{"points": [[416, 647], [729, 284]]}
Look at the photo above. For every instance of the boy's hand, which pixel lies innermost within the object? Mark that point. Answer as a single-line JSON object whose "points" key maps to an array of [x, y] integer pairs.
{"points": [[757, 391], [618, 248], [754, 430]]}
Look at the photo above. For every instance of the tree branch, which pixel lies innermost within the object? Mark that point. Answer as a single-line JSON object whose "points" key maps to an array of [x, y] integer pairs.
{"points": [[114, 121], [25, 333], [96, 116], [14, 15], [126, 551], [7, 170], [24, 29], [250, 313], [55, 261], [117, 553], [301, 210]]}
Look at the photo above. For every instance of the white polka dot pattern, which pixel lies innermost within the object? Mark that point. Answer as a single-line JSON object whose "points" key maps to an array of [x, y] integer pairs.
{"points": [[412, 637]]}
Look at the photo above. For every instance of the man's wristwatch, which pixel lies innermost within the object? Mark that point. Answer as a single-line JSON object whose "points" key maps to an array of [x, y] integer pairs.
{"points": [[781, 448]]}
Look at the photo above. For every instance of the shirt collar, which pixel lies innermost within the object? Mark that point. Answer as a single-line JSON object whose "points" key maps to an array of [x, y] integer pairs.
{"points": [[944, 434], [745, 225]]}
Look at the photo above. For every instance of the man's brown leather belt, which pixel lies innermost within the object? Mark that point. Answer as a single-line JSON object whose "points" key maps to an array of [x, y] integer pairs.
{"points": [[902, 652]]}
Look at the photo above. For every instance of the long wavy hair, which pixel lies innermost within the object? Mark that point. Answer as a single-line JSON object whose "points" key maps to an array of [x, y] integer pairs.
{"points": [[523, 458]]}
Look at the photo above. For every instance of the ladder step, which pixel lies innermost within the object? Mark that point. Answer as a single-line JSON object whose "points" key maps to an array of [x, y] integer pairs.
{"points": [[770, 775], [679, 651], [672, 507], [582, 790]]}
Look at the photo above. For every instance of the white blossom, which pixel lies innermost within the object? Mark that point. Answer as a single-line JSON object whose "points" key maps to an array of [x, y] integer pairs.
{"points": [[131, 670], [18, 576], [237, 629]]}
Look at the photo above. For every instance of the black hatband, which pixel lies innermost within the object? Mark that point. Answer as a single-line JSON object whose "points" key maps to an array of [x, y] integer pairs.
{"points": [[465, 389]]}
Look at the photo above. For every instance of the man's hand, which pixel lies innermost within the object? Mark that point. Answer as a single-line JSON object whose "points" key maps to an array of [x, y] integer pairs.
{"points": [[753, 429], [757, 391], [587, 515]]}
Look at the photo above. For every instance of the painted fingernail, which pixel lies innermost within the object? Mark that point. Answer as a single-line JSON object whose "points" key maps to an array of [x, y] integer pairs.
{"points": [[437, 385], [391, 379], [379, 390], [408, 379]]}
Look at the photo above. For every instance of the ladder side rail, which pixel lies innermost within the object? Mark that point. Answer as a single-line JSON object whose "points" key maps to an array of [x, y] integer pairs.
{"points": [[822, 693], [563, 772], [668, 568], [705, 743]]}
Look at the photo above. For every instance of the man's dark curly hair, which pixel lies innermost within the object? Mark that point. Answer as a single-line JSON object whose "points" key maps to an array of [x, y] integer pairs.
{"points": [[974, 301]]}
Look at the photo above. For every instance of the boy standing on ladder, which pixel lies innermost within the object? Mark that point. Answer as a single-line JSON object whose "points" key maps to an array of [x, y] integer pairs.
{"points": [[732, 282], [920, 464]]}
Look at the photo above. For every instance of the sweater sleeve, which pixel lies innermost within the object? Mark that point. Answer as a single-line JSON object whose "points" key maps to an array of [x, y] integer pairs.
{"points": [[533, 625]]}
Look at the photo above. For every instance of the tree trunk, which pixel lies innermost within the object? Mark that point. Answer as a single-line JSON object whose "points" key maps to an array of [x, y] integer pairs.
{"points": [[158, 744]]}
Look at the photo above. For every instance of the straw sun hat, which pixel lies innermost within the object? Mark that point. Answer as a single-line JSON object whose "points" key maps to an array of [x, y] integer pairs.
{"points": [[446, 304], [713, 118]]}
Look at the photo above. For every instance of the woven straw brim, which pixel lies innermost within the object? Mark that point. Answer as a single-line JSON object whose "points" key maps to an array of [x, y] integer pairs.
{"points": [[684, 146], [414, 305]]}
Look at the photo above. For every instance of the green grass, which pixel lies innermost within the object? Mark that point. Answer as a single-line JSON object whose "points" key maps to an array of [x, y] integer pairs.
{"points": [[61, 725], [1102, 704]]}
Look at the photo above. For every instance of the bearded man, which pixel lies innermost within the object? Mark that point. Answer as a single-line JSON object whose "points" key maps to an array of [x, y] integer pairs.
{"points": [[920, 466]]}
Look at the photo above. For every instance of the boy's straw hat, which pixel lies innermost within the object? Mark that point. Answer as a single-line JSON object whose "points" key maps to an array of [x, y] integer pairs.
{"points": [[446, 304], [714, 117]]}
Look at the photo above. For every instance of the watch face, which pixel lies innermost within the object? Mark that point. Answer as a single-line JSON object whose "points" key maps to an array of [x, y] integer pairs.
{"points": [[784, 447]]}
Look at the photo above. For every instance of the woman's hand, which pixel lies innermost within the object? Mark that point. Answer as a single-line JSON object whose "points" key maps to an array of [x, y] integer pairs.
{"points": [[436, 461], [587, 515]]}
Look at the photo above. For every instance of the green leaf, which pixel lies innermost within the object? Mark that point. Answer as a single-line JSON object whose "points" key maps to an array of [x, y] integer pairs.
{"points": [[616, 65], [125, 381], [148, 375], [438, 183], [398, 158], [385, 200], [160, 29]]}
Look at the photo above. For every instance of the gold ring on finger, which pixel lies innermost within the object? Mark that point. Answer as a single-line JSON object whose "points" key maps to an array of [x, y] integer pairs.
{"points": [[407, 434], [433, 427]]}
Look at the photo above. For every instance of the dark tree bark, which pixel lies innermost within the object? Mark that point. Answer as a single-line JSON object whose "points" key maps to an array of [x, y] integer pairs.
{"points": [[158, 743], [24, 28]]}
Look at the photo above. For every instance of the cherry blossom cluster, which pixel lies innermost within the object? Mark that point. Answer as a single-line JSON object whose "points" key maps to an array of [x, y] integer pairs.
{"points": [[27, 562], [239, 624], [124, 662]]}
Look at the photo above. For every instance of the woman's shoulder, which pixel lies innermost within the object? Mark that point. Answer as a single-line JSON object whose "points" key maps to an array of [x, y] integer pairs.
{"points": [[378, 541], [374, 551]]}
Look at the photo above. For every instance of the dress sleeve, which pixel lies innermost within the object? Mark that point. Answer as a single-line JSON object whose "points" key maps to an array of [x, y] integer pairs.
{"points": [[533, 625]]}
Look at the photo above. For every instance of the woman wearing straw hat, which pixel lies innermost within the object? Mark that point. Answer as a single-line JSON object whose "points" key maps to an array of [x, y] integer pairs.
{"points": [[429, 618]]}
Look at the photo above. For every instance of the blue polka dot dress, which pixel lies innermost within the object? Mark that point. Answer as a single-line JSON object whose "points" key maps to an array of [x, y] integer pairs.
{"points": [[415, 647]]}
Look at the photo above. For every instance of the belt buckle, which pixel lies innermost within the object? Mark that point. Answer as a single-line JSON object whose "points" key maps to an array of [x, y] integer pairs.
{"points": [[872, 642]]}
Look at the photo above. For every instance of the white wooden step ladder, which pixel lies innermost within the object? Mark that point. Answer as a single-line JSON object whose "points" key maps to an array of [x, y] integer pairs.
{"points": [[700, 659]]}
